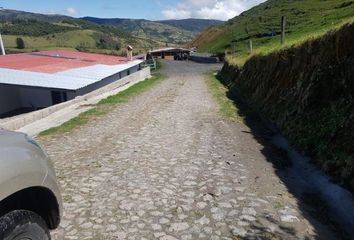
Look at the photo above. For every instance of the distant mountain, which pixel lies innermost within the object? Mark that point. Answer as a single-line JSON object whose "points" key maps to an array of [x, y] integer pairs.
{"points": [[12, 15], [46, 31], [165, 31], [171, 31], [42, 32], [192, 24]]}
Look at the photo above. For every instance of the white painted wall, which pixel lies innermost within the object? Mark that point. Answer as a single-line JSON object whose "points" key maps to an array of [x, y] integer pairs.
{"points": [[9, 98]]}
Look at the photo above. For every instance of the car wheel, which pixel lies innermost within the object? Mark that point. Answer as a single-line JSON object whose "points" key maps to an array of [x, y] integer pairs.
{"points": [[23, 225]]}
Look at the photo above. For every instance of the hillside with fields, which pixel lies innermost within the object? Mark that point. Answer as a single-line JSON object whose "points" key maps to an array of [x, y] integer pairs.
{"points": [[262, 24], [43, 32], [170, 31]]}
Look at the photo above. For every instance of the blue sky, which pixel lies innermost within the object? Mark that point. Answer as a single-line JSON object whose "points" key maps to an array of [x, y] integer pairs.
{"points": [[147, 9]]}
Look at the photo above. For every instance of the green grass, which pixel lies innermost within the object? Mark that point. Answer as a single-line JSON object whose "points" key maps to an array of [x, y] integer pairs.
{"points": [[227, 109], [105, 106], [304, 19], [136, 89], [71, 40]]}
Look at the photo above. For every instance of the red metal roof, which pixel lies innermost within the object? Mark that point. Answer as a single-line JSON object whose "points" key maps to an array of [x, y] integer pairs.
{"points": [[56, 61]]}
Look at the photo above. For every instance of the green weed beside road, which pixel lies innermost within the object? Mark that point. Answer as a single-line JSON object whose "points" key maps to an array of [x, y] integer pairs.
{"points": [[104, 106], [226, 107]]}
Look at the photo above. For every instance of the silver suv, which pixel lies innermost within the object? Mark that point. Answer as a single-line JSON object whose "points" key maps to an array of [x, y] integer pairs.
{"points": [[30, 201]]}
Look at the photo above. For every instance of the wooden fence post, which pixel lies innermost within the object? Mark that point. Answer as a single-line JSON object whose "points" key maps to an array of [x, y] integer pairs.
{"points": [[282, 30], [251, 47]]}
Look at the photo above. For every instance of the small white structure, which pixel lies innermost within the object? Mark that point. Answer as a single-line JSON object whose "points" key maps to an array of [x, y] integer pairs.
{"points": [[130, 52]]}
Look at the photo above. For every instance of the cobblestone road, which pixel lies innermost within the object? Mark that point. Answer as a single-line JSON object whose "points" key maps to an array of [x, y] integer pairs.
{"points": [[166, 166]]}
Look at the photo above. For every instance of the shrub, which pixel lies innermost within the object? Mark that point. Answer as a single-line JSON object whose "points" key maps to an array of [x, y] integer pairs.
{"points": [[20, 44]]}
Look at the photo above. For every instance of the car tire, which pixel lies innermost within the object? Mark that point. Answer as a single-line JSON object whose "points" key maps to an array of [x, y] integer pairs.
{"points": [[23, 225]]}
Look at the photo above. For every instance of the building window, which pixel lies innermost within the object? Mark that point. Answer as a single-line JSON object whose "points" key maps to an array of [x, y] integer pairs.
{"points": [[59, 97], [65, 96], [56, 97]]}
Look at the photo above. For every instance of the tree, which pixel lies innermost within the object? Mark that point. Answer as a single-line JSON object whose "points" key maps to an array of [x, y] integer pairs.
{"points": [[20, 44], [82, 47]]}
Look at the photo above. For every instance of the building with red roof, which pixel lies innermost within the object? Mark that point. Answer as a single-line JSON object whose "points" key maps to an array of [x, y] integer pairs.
{"points": [[41, 79]]}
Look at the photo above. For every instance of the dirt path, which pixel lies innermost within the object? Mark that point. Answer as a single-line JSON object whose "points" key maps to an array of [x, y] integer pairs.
{"points": [[166, 166]]}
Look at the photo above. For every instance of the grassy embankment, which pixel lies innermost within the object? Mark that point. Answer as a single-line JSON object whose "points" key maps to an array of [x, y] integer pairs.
{"points": [[106, 105], [304, 19], [304, 85], [307, 91]]}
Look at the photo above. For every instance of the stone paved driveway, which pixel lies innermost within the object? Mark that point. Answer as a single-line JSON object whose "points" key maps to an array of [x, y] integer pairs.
{"points": [[166, 166]]}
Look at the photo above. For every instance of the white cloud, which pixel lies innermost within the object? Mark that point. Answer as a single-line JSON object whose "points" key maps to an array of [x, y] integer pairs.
{"points": [[209, 9], [176, 14], [71, 11]]}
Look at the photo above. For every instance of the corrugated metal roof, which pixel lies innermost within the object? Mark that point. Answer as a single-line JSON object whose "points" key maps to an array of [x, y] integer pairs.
{"points": [[46, 80], [71, 79], [98, 71], [169, 49], [57, 61]]}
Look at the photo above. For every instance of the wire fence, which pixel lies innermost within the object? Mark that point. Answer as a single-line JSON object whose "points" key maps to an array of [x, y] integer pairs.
{"points": [[246, 42]]}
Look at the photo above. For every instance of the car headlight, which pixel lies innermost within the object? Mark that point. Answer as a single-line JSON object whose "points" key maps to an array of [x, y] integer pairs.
{"points": [[30, 140]]}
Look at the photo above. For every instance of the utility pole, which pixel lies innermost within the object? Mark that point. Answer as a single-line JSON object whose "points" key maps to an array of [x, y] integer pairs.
{"points": [[2, 46], [233, 43], [1, 42], [282, 41]]}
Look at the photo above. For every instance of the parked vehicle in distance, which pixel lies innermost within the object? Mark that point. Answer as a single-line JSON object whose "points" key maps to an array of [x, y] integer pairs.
{"points": [[181, 57], [30, 201]]}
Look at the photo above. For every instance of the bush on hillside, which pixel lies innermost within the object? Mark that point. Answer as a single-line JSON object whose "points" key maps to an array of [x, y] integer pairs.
{"points": [[32, 28], [20, 44]]}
